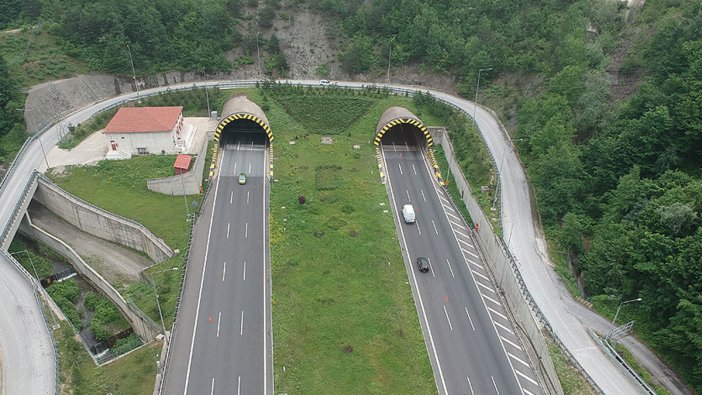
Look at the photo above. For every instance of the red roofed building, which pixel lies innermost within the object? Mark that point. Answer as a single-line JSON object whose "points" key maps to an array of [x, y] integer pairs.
{"points": [[145, 130], [182, 164]]}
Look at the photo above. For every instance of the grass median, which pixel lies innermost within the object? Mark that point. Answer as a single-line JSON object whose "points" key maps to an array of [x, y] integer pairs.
{"points": [[344, 320]]}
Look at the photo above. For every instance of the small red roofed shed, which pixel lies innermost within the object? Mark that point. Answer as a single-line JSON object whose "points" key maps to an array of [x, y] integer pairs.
{"points": [[182, 164]]}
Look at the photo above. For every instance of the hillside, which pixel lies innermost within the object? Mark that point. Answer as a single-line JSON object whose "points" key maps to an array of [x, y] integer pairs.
{"points": [[605, 110]]}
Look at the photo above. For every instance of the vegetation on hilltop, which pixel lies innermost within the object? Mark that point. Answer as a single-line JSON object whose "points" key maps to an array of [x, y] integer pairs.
{"points": [[617, 184]]}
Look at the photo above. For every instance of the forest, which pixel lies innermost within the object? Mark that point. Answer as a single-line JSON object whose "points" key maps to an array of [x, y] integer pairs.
{"points": [[617, 177]]}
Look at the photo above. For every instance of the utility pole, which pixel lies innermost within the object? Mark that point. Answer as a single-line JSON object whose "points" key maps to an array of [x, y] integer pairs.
{"points": [[389, 53], [477, 87], [131, 60], [258, 51]]}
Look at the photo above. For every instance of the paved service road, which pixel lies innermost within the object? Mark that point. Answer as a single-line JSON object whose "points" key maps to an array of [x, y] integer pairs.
{"points": [[471, 343]]}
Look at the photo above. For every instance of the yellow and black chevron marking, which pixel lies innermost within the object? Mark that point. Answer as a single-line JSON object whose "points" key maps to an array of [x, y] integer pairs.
{"points": [[270, 160], [380, 165], [215, 151], [435, 166], [227, 120], [398, 121]]}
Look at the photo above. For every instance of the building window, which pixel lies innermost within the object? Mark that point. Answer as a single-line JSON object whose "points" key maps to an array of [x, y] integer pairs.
{"points": [[142, 151]]}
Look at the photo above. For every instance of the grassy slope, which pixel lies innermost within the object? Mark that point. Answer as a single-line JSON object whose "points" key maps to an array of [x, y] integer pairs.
{"points": [[131, 374], [344, 319]]}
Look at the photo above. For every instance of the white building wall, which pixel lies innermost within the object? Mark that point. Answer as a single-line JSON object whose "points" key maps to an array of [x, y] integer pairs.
{"points": [[152, 143]]}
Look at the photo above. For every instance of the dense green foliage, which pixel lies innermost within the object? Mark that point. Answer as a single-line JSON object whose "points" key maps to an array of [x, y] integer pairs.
{"points": [[12, 132], [619, 185], [65, 295], [131, 374], [157, 35]]}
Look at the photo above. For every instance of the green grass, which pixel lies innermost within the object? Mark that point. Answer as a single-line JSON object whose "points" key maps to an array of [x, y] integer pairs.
{"points": [[324, 113], [344, 320], [571, 380], [132, 374], [120, 187], [640, 370], [34, 56]]}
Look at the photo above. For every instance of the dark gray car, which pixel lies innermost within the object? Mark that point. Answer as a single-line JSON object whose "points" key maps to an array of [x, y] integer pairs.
{"points": [[423, 264]]}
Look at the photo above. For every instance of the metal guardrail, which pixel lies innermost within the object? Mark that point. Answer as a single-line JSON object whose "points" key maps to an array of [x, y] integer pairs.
{"points": [[174, 327], [37, 297]]}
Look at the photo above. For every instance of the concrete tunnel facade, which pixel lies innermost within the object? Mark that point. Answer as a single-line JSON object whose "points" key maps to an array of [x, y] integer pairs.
{"points": [[240, 108], [395, 116]]}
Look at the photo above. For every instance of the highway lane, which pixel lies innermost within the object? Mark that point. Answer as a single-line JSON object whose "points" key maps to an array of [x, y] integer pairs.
{"points": [[230, 351], [471, 343], [527, 246]]}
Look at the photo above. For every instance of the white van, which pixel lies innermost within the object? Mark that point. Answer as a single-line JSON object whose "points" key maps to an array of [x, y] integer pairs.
{"points": [[408, 213]]}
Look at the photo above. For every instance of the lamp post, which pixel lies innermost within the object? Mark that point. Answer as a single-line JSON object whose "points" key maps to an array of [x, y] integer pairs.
{"points": [[614, 320], [30, 262], [258, 52], [131, 61], [158, 303], [389, 53], [477, 87], [39, 139], [207, 94]]}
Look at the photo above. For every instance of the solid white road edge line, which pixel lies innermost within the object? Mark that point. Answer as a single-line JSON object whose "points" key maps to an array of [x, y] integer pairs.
{"points": [[202, 280]]}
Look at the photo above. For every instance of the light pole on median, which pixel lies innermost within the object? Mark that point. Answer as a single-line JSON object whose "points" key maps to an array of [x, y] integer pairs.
{"points": [[158, 303], [477, 87], [614, 320]]}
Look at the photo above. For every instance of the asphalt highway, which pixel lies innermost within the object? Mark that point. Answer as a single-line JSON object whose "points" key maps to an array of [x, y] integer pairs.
{"points": [[229, 350], [471, 343], [27, 358]]}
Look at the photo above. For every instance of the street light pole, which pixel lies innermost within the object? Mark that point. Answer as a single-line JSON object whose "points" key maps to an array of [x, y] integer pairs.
{"points": [[258, 51], [158, 303], [477, 87], [38, 138], [131, 60], [389, 53], [30, 262], [614, 320], [207, 94]]}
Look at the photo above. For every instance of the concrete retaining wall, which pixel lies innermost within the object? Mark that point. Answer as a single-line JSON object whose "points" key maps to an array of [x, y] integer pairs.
{"points": [[50, 101], [100, 223], [20, 207], [140, 322], [506, 273], [189, 183]]}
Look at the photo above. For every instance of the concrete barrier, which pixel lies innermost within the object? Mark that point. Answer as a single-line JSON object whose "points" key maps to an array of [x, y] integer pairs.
{"points": [[189, 183], [504, 270], [143, 326], [100, 223]]}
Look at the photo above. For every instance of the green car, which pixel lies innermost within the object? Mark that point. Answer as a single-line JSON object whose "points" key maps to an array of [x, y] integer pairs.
{"points": [[242, 178]]}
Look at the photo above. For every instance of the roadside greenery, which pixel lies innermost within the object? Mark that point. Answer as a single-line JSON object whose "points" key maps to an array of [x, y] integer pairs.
{"points": [[77, 133], [131, 374]]}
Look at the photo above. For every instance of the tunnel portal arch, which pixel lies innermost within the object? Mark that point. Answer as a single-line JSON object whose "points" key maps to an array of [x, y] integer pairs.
{"points": [[395, 116], [240, 110]]}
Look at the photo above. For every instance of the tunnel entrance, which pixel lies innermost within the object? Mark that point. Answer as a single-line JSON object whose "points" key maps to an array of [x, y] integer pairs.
{"points": [[243, 122], [399, 127]]}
